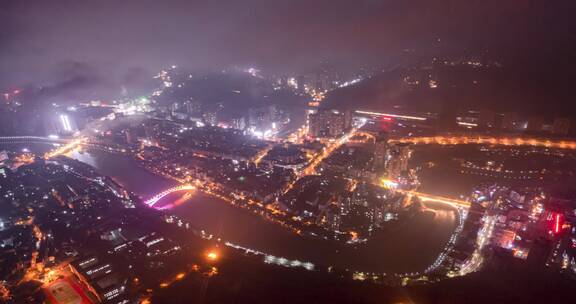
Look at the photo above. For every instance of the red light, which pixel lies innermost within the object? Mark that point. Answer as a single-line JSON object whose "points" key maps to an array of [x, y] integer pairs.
{"points": [[385, 123], [557, 223]]}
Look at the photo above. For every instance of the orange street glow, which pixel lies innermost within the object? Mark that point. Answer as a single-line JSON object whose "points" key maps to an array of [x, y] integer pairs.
{"points": [[212, 255]]}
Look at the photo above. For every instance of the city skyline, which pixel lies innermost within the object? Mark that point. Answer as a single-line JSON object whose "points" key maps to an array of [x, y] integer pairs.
{"points": [[371, 151]]}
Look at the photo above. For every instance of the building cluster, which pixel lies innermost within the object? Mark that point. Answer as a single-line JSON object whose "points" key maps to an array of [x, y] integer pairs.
{"points": [[224, 160], [238, 98], [525, 224], [341, 206], [512, 122], [351, 161], [220, 142], [520, 164], [77, 234], [100, 279], [324, 78], [267, 177], [287, 156], [371, 160], [263, 122], [329, 123]]}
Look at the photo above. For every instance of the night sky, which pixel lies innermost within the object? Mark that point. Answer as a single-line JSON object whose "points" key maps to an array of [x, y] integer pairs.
{"points": [[43, 40]]}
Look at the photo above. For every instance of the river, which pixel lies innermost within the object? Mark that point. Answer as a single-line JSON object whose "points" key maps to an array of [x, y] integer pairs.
{"points": [[408, 246]]}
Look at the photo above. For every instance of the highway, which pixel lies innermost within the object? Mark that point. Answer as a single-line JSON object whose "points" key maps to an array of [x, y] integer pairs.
{"points": [[505, 141]]}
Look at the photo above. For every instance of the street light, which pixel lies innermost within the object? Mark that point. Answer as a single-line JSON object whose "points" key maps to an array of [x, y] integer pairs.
{"points": [[212, 255]]}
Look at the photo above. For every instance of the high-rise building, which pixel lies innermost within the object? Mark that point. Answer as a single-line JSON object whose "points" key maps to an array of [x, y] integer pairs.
{"points": [[377, 213], [333, 218], [239, 123], [447, 116], [380, 145], [561, 126], [275, 113], [6, 122], [210, 118], [193, 107], [535, 124], [132, 136], [261, 118], [60, 124], [397, 159], [175, 107], [300, 83], [329, 123], [335, 123], [322, 83], [486, 119], [314, 125], [347, 119], [510, 121]]}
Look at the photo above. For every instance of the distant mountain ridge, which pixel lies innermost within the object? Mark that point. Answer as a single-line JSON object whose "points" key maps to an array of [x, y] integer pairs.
{"points": [[463, 87]]}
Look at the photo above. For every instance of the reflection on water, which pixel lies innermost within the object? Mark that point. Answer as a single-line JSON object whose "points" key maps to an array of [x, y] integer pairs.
{"points": [[406, 246], [410, 245], [126, 172], [441, 215]]}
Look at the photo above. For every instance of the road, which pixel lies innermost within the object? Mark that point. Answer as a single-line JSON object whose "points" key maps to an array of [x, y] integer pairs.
{"points": [[435, 198], [66, 148], [505, 141], [310, 169], [327, 151]]}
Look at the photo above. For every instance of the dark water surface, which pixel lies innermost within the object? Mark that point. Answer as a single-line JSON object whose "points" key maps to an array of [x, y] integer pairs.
{"points": [[406, 246]]}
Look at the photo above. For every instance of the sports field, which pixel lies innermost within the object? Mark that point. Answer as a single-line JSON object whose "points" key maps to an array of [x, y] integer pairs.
{"points": [[66, 291]]}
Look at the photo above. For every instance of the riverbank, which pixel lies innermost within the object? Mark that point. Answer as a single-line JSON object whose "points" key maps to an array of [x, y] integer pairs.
{"points": [[408, 247]]}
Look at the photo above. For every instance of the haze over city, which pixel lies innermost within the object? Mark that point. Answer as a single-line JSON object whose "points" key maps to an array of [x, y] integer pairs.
{"points": [[370, 151]]}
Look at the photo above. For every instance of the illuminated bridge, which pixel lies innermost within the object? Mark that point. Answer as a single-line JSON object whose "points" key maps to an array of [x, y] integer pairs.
{"points": [[438, 199], [66, 148], [152, 201], [70, 144], [67, 144], [31, 139], [505, 141]]}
